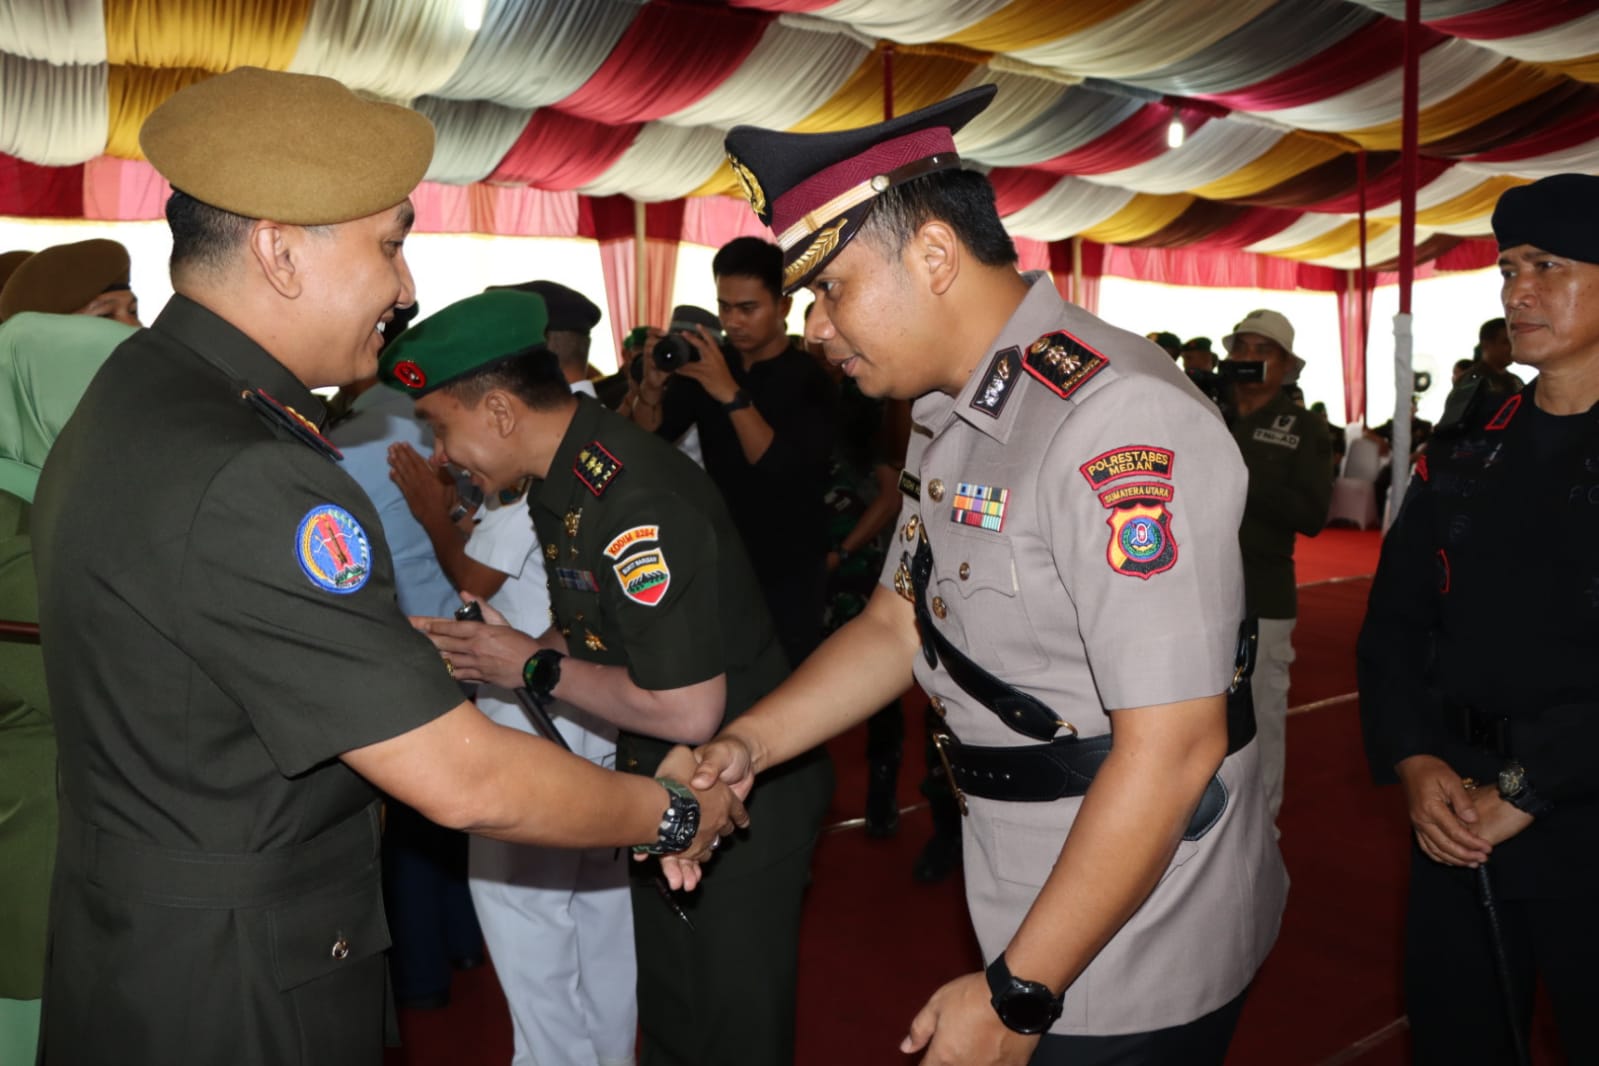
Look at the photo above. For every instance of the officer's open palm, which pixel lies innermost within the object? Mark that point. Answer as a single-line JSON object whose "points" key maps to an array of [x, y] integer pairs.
{"points": [[958, 1027]]}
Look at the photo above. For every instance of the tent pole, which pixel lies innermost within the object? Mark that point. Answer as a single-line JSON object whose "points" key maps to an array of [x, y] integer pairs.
{"points": [[1077, 270], [1362, 290], [1404, 378], [641, 268]]}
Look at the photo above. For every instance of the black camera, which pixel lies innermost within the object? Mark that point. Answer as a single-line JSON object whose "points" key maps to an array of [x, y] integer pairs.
{"points": [[673, 351], [1235, 371]]}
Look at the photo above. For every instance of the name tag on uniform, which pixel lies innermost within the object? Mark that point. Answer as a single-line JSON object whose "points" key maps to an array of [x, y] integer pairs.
{"points": [[910, 484], [1277, 437]]}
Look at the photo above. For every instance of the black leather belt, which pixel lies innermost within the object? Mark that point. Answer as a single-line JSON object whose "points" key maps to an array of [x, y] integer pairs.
{"points": [[1041, 773], [177, 877]]}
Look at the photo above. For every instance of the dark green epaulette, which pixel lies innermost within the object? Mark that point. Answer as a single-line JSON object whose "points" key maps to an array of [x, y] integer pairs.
{"points": [[282, 416]]}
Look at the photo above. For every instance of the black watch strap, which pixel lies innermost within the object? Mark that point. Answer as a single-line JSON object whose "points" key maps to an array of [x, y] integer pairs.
{"points": [[740, 400], [1023, 1006], [542, 672]]}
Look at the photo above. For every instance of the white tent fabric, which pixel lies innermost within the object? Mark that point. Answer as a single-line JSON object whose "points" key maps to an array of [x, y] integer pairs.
{"points": [[472, 136], [1071, 206], [1307, 228], [910, 23], [1444, 71], [64, 32], [664, 163], [396, 51], [1145, 37], [1572, 40], [1215, 150], [1076, 117], [55, 115], [533, 55]]}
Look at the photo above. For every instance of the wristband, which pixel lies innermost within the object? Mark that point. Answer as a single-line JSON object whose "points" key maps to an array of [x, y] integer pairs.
{"points": [[739, 401]]}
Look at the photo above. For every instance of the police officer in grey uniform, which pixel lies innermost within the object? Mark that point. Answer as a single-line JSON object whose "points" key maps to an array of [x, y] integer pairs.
{"points": [[659, 626], [1066, 585], [228, 669]]}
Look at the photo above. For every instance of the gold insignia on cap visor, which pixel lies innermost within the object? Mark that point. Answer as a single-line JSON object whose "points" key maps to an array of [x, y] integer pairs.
{"points": [[750, 184], [295, 148], [819, 249]]}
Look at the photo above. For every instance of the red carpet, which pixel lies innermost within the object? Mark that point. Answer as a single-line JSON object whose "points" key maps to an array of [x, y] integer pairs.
{"points": [[875, 943]]}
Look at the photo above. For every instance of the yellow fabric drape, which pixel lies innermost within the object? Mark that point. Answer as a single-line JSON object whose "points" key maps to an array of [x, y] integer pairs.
{"points": [[1584, 69], [722, 183], [1028, 23], [1336, 240], [214, 35], [1506, 85], [1143, 215], [1290, 156], [918, 81], [1471, 204], [131, 94]]}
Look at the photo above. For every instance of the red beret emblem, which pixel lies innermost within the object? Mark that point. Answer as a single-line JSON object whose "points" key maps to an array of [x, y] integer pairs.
{"points": [[409, 374]]}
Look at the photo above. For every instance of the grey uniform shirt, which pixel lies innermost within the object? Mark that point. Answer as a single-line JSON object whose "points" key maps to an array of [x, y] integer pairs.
{"points": [[1082, 501]]}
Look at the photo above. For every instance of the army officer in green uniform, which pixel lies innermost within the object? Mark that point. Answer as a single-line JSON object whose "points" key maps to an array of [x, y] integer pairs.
{"points": [[659, 627], [229, 672]]}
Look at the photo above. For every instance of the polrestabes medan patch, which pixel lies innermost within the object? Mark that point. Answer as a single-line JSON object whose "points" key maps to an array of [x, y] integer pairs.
{"points": [[596, 467], [993, 392], [1062, 362], [1128, 460], [333, 549]]}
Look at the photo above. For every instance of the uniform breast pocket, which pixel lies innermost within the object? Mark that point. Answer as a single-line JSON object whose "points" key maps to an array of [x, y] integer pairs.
{"points": [[978, 588]]}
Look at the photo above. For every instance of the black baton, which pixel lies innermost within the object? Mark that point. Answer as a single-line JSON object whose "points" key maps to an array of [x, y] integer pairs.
{"points": [[1496, 938]]}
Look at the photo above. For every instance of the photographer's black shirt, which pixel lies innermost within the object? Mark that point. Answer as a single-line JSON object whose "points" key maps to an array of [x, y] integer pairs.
{"points": [[777, 502]]}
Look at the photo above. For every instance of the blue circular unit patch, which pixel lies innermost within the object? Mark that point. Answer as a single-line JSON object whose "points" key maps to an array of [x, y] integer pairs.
{"points": [[333, 549], [1141, 538]]}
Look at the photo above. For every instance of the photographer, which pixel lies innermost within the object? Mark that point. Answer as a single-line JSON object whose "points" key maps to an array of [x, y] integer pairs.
{"points": [[765, 413], [1287, 451]]}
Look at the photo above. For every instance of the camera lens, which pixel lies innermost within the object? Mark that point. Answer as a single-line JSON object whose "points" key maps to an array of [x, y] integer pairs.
{"points": [[672, 351]]}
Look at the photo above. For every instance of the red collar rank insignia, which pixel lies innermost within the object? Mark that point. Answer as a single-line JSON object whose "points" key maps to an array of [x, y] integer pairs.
{"points": [[980, 505], [285, 417], [333, 549], [994, 390], [1062, 362], [596, 467]]}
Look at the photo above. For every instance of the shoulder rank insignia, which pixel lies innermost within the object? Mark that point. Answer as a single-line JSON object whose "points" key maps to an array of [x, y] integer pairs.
{"points": [[596, 467], [333, 549], [285, 417], [995, 388], [1062, 362]]}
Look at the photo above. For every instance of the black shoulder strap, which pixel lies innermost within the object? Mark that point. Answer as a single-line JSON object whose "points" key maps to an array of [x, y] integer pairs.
{"points": [[281, 416]]}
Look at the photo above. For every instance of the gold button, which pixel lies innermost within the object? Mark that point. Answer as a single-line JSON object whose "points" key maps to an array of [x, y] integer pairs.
{"points": [[937, 705], [938, 606], [632, 764], [911, 527], [965, 571], [341, 948], [935, 489]]}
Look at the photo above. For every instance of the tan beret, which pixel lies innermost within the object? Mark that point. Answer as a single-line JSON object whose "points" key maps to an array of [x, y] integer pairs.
{"points": [[64, 277], [293, 148], [9, 261]]}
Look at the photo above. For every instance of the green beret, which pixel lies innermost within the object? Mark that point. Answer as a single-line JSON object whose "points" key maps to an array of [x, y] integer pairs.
{"points": [[293, 148], [465, 337], [64, 277], [9, 261]]}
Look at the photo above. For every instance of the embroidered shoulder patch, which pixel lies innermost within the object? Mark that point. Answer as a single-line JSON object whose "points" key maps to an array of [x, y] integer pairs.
{"points": [[1129, 460], [1062, 362], [644, 576], [1141, 542], [596, 467], [628, 537], [995, 388], [333, 549], [285, 417]]}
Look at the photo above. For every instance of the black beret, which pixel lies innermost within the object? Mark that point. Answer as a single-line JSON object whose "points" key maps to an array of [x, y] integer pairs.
{"points": [[1559, 214], [569, 310], [816, 189]]}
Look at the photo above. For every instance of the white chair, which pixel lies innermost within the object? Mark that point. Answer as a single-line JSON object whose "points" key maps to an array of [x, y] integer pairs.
{"points": [[1354, 493]]}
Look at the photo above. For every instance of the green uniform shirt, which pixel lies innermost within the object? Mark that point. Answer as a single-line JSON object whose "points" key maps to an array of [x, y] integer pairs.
{"points": [[1289, 457], [219, 624]]}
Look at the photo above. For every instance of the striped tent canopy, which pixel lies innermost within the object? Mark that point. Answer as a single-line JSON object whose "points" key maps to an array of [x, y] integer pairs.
{"points": [[548, 110]]}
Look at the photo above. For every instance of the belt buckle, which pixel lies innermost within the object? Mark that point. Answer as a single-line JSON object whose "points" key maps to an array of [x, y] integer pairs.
{"points": [[939, 740], [1059, 724]]}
